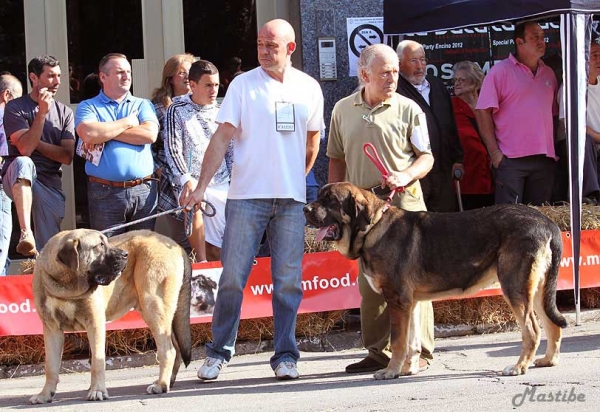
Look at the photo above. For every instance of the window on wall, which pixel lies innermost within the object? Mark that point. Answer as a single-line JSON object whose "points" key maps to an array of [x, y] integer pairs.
{"points": [[12, 39], [96, 28], [220, 30]]}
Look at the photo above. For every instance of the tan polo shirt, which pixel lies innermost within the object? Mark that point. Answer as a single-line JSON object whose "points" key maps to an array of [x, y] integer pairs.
{"points": [[389, 127]]}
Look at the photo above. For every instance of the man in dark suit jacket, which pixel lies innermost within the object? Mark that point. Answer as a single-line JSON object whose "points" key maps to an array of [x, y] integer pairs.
{"points": [[431, 95]]}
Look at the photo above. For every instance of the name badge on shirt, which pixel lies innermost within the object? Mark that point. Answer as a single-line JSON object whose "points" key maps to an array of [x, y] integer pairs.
{"points": [[285, 117]]}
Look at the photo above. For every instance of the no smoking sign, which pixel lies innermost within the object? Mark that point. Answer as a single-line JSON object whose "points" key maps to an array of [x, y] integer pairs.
{"points": [[363, 36], [362, 32]]}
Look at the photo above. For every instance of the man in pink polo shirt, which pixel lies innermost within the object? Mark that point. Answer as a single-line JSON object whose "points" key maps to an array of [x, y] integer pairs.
{"points": [[515, 117]]}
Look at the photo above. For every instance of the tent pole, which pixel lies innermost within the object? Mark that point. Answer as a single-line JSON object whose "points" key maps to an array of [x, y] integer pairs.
{"points": [[575, 37]]}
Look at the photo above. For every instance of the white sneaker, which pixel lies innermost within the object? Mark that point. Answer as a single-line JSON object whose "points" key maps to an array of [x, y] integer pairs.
{"points": [[286, 370], [211, 368]]}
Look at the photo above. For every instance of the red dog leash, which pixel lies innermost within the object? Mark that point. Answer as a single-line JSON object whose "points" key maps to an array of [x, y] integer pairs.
{"points": [[372, 154]]}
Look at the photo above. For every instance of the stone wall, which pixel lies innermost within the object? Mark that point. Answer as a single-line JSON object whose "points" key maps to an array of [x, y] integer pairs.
{"points": [[327, 18]]}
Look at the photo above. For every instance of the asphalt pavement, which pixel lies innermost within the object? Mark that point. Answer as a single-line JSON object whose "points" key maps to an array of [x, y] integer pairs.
{"points": [[463, 377]]}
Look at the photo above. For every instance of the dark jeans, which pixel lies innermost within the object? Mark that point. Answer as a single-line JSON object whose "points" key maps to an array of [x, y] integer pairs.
{"points": [[560, 192], [527, 180], [110, 206], [590, 186], [591, 174]]}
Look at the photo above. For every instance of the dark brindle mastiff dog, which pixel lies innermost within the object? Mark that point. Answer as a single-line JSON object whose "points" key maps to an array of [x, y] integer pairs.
{"points": [[414, 256], [82, 280]]}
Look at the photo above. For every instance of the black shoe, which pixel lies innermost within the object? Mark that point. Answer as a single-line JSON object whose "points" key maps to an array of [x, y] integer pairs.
{"points": [[365, 365]]}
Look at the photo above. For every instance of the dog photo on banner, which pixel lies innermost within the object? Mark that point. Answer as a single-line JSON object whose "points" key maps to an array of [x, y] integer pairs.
{"points": [[204, 290]]}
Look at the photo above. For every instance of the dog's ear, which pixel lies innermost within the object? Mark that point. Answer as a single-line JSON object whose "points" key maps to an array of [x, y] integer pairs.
{"points": [[211, 283], [363, 211], [356, 205], [68, 254]]}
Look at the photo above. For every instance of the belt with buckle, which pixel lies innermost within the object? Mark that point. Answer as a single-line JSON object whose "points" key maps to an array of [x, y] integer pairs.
{"points": [[123, 185]]}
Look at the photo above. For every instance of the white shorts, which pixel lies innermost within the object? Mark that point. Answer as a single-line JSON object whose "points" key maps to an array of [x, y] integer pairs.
{"points": [[214, 227]]}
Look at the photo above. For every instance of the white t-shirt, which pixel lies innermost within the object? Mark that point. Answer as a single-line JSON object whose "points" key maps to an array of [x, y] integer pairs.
{"points": [[268, 164], [593, 106]]}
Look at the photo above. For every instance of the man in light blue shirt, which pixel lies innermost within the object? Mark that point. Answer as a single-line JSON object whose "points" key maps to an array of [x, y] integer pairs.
{"points": [[120, 129]]}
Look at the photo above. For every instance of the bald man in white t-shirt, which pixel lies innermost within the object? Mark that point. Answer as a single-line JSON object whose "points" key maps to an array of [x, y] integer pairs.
{"points": [[274, 114]]}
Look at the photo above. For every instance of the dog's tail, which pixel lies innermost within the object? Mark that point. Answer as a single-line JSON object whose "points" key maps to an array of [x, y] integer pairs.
{"points": [[181, 320], [551, 283]]}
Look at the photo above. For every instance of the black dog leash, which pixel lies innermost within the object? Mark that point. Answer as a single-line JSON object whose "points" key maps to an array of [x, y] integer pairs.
{"points": [[188, 220]]}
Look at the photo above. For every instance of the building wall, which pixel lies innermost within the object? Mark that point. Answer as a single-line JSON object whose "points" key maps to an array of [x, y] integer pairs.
{"points": [[46, 31], [327, 18]]}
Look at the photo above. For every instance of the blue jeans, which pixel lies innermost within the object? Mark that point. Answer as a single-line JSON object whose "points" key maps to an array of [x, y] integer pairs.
{"points": [[246, 222], [110, 206], [5, 231]]}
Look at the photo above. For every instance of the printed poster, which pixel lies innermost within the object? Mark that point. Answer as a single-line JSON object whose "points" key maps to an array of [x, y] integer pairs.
{"points": [[362, 32]]}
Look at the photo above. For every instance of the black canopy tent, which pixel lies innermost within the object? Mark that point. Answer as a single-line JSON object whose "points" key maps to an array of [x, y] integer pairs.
{"points": [[414, 16]]}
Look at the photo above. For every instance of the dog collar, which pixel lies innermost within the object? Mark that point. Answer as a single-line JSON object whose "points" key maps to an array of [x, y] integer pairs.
{"points": [[379, 215]]}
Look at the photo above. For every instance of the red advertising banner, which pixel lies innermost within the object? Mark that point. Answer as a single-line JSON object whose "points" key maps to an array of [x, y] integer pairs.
{"points": [[329, 283]]}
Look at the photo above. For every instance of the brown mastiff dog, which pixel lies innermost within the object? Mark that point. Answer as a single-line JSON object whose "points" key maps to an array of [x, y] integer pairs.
{"points": [[82, 280], [414, 256]]}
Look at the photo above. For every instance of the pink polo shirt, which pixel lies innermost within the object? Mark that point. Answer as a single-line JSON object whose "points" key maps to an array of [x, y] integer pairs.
{"points": [[523, 106]]}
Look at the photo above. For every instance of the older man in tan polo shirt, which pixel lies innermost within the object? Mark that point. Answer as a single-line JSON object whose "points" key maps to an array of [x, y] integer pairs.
{"points": [[397, 127]]}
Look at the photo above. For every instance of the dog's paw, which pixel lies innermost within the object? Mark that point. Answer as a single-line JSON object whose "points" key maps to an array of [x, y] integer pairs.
{"points": [[41, 397], [546, 362], [409, 370], [157, 388], [97, 394], [386, 373], [514, 370]]}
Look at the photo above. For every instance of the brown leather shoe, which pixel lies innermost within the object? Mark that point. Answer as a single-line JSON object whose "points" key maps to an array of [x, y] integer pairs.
{"points": [[366, 365]]}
